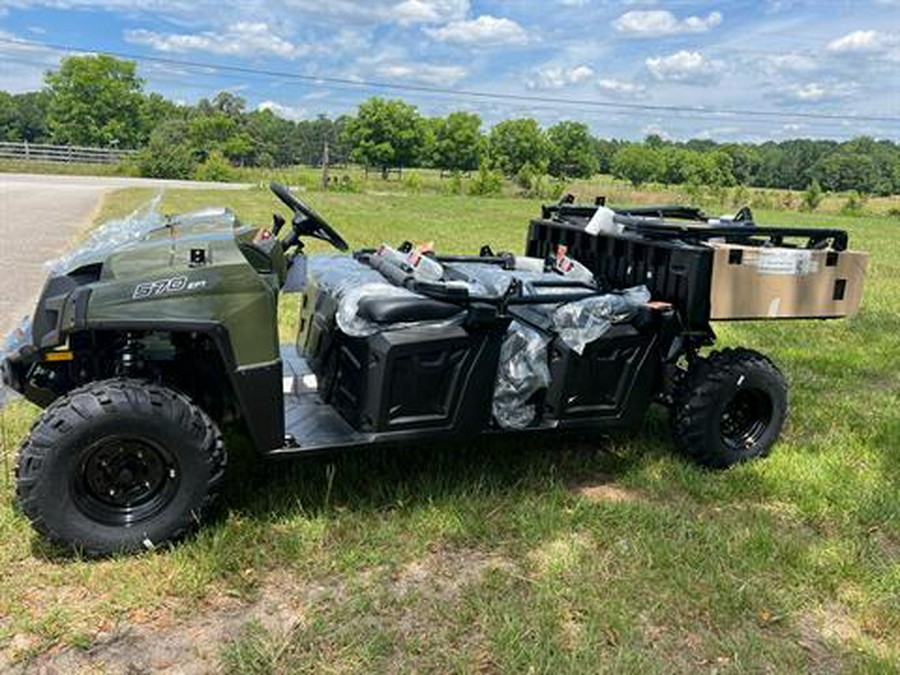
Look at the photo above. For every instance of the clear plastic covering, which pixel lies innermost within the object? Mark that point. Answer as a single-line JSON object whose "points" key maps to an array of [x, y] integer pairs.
{"points": [[349, 282], [110, 236], [348, 318], [492, 278], [580, 323], [334, 274], [12, 342], [521, 373]]}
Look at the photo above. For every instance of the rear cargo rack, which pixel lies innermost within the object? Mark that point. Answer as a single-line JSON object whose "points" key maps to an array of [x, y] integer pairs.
{"points": [[672, 250]]}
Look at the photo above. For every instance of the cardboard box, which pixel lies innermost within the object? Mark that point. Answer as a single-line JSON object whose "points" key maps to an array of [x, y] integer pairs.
{"points": [[750, 282]]}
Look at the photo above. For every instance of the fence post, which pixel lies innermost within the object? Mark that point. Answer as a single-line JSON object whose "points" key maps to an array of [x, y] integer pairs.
{"points": [[27, 154]]}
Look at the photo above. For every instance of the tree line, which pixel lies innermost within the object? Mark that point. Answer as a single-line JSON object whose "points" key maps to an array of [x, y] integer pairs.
{"points": [[101, 101]]}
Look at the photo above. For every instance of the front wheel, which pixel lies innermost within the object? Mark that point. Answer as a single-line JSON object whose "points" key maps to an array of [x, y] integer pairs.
{"points": [[729, 408], [118, 466]]}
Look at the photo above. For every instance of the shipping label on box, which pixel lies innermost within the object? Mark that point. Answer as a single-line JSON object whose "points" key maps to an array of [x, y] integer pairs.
{"points": [[751, 282]]}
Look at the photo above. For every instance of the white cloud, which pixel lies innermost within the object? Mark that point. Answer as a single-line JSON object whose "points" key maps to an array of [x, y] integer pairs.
{"points": [[623, 88], [422, 72], [557, 77], [815, 92], [657, 129], [863, 42], [240, 39], [284, 111], [685, 66], [573, 3], [430, 11], [660, 22], [715, 133], [484, 31], [24, 63], [788, 62]]}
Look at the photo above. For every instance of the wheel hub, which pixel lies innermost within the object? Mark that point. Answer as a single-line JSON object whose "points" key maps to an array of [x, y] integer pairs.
{"points": [[746, 418], [122, 481]]}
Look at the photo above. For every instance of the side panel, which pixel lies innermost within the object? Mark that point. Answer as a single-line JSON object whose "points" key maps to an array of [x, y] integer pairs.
{"points": [[611, 383], [440, 379]]}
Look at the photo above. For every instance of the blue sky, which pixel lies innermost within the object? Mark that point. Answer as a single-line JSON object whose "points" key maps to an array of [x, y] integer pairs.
{"points": [[836, 57]]}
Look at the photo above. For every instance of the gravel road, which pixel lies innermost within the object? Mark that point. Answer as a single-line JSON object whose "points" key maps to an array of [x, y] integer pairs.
{"points": [[39, 217]]}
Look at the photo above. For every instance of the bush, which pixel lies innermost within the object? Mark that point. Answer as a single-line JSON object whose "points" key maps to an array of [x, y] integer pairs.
{"points": [[215, 169], [855, 204], [486, 182], [812, 197], [412, 182], [455, 186], [168, 153], [343, 184], [740, 197], [761, 199], [160, 160]]}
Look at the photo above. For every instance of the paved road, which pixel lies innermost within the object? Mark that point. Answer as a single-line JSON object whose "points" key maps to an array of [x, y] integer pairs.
{"points": [[39, 217]]}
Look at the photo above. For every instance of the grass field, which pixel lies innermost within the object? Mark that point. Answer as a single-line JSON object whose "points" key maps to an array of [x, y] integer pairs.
{"points": [[582, 554]]}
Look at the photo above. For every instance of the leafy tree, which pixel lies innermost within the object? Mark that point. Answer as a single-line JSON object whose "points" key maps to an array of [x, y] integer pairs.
{"points": [[844, 170], [458, 142], [8, 117], [638, 164], [605, 150], [96, 100], [275, 142], [311, 136], [571, 150], [210, 131], [514, 143], [23, 117], [156, 109], [385, 133], [229, 104]]}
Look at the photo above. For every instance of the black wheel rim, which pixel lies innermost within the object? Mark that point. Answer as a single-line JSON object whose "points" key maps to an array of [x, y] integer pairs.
{"points": [[122, 481], [745, 419]]}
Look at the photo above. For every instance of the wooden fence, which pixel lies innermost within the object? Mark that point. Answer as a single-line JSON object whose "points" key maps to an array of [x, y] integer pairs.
{"points": [[40, 152]]}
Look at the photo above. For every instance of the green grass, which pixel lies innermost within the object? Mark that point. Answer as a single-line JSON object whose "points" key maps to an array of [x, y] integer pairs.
{"points": [[576, 554]]}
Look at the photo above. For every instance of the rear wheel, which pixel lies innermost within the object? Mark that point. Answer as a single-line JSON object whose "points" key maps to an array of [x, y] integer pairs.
{"points": [[118, 466], [729, 408]]}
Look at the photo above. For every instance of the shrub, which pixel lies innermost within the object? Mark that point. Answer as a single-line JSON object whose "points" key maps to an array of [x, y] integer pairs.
{"points": [[216, 168], [343, 184], [855, 204], [486, 182], [455, 186], [761, 199], [740, 197], [812, 197], [413, 182], [163, 160]]}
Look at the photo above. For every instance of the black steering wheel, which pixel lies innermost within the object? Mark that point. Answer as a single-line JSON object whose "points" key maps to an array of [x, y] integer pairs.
{"points": [[306, 222]]}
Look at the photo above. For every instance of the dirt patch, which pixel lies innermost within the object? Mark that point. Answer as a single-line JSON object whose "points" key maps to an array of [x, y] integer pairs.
{"points": [[561, 555], [830, 632], [444, 574], [604, 490], [164, 642], [169, 644]]}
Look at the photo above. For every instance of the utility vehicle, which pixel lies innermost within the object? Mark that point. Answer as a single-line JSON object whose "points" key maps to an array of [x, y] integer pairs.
{"points": [[140, 353]]}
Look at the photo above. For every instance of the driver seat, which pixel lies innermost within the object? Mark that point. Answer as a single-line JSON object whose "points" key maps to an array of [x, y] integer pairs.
{"points": [[388, 310]]}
